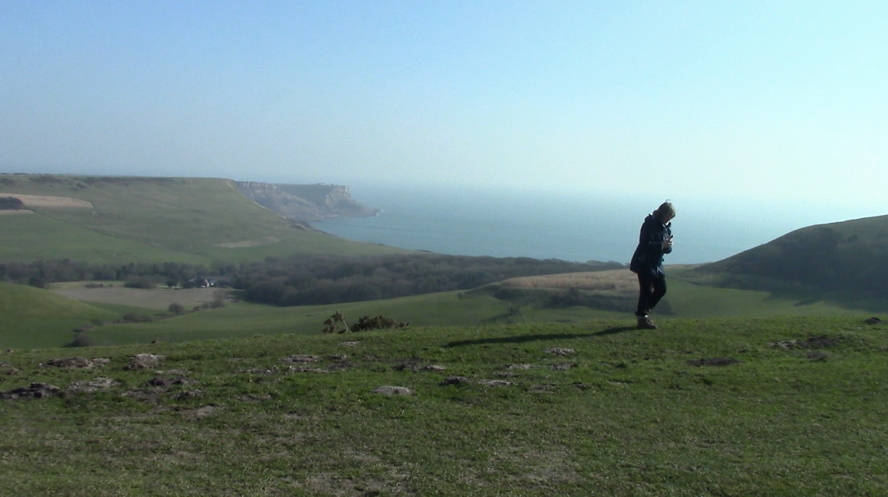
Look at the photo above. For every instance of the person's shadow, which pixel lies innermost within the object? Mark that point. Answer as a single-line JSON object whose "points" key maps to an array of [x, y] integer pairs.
{"points": [[534, 338]]}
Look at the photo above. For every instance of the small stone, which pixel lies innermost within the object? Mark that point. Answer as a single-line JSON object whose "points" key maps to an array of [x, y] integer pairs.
{"points": [[91, 385], [563, 366], [496, 383], [433, 367], [392, 390], [560, 351]]}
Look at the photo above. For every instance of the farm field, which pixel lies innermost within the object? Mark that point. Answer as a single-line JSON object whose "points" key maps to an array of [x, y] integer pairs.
{"points": [[717, 406], [115, 293]]}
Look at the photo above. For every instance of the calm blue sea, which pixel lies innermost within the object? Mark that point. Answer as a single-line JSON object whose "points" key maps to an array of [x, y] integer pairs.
{"points": [[570, 227]]}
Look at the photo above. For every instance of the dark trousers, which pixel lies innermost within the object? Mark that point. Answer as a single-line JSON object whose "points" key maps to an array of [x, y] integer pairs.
{"points": [[651, 288]]}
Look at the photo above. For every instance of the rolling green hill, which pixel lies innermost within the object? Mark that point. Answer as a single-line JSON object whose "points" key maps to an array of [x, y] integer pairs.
{"points": [[846, 261], [130, 219]]}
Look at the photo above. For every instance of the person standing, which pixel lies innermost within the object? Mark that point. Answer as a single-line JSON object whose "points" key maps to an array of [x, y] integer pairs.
{"points": [[654, 241]]}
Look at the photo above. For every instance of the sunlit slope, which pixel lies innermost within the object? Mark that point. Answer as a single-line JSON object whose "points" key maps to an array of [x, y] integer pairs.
{"points": [[687, 300], [30, 317], [848, 258], [152, 219]]}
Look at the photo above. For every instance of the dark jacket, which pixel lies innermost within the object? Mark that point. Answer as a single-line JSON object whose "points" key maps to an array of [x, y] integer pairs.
{"points": [[648, 256]]}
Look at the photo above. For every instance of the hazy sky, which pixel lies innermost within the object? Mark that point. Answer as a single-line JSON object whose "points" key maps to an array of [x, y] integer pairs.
{"points": [[747, 99]]}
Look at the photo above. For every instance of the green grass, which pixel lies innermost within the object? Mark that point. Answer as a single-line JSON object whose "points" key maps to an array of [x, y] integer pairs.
{"points": [[36, 236], [685, 299], [627, 413], [245, 320]]}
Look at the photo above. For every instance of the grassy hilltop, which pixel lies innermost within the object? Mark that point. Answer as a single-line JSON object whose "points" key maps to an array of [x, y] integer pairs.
{"points": [[777, 406], [845, 262], [131, 219]]}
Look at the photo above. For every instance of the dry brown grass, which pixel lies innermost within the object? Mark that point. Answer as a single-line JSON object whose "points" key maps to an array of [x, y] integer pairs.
{"points": [[158, 299], [617, 280], [47, 201]]}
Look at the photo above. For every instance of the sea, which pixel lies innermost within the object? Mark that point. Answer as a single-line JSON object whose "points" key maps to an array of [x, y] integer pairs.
{"points": [[571, 226]]}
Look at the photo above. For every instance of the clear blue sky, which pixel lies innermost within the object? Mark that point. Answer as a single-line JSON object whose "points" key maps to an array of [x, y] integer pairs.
{"points": [[753, 100]]}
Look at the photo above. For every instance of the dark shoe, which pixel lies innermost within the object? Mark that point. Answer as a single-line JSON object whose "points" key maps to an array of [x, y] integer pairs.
{"points": [[644, 323]]}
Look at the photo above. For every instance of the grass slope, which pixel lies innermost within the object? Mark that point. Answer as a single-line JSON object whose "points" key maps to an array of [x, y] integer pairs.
{"points": [[841, 261], [30, 317], [51, 326], [154, 220], [779, 406], [687, 300]]}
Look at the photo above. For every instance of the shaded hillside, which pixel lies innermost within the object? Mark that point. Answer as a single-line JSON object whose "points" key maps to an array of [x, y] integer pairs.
{"points": [[305, 202], [132, 219], [850, 257], [31, 317]]}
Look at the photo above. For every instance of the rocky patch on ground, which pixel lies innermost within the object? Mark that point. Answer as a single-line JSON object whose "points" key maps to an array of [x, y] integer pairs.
{"points": [[144, 361]]}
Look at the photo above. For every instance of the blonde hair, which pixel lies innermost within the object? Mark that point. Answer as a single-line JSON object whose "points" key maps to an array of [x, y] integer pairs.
{"points": [[665, 211]]}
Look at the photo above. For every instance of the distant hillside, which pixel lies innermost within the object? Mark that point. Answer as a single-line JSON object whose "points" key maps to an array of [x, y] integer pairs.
{"points": [[850, 257], [133, 219], [305, 202]]}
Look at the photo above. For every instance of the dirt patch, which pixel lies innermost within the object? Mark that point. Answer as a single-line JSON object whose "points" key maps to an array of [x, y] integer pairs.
{"points": [[52, 202], [144, 361], [454, 380], [91, 386], [821, 342], [34, 390], [75, 362], [393, 390], [496, 383], [300, 358], [716, 361], [18, 211], [268, 240], [203, 412]]}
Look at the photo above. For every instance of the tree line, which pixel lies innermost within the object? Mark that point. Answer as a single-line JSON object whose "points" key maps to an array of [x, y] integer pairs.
{"points": [[309, 280], [333, 279], [41, 273]]}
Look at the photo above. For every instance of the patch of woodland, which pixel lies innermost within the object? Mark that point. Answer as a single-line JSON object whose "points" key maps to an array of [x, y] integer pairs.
{"points": [[311, 279], [314, 280]]}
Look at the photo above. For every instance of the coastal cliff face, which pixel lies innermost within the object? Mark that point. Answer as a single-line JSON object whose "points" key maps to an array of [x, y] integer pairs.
{"points": [[305, 202]]}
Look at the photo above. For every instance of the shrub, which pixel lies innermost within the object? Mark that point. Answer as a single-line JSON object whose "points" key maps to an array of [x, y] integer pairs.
{"points": [[177, 309], [81, 340]]}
